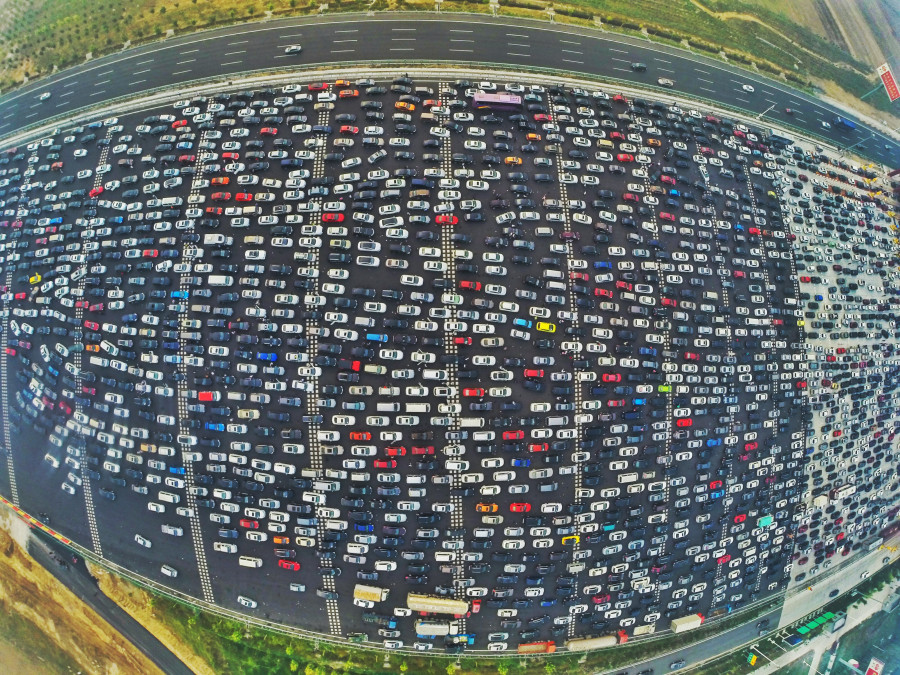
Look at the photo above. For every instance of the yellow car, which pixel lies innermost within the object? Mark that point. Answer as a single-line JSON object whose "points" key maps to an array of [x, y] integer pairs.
{"points": [[35, 279], [546, 327], [512, 161], [571, 539], [486, 508]]}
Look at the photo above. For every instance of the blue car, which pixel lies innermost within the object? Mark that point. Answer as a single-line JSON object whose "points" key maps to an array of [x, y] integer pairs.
{"points": [[177, 470], [602, 265], [267, 356], [376, 337], [640, 401], [647, 351], [364, 527], [524, 323], [521, 462], [179, 294], [717, 494], [214, 426], [713, 442]]}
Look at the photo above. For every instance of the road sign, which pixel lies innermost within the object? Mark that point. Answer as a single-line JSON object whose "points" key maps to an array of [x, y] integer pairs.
{"points": [[887, 79], [751, 659], [875, 667]]}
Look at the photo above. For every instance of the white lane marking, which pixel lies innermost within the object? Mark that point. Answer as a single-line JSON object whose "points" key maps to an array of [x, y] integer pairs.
{"points": [[621, 51], [571, 51], [238, 42], [517, 44], [143, 63], [354, 30], [401, 49], [461, 30], [461, 50], [347, 40], [131, 84], [232, 63], [342, 51], [705, 80], [296, 35], [141, 72], [570, 42], [461, 40], [181, 63], [571, 61], [705, 72], [662, 60], [70, 84], [189, 51], [102, 82], [182, 72], [241, 51], [402, 29], [705, 89], [742, 99], [619, 60], [622, 70], [515, 54], [517, 35], [666, 70], [97, 93]]}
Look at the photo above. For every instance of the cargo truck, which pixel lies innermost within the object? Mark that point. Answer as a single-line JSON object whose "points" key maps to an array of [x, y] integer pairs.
{"points": [[537, 648], [380, 619], [432, 628], [844, 123], [585, 644], [433, 605], [686, 623], [371, 593]]}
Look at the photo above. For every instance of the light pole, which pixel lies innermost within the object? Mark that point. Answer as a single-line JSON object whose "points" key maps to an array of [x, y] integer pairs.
{"points": [[759, 117]]}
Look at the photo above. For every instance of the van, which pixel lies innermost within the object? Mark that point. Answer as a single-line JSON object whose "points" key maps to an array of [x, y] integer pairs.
{"points": [[605, 144], [428, 118], [557, 420], [220, 280], [468, 422], [251, 211], [429, 374], [387, 407], [710, 295], [628, 477], [99, 361], [170, 497], [169, 571], [222, 547], [249, 561], [169, 202]]}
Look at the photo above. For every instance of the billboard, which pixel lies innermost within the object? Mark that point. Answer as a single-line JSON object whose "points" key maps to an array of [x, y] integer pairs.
{"points": [[887, 79], [875, 667]]}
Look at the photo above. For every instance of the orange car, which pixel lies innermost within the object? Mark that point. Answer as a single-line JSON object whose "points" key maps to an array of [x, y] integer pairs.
{"points": [[342, 83], [486, 508], [403, 105], [512, 161], [281, 540], [653, 141], [360, 436], [348, 93], [92, 348], [220, 180]]}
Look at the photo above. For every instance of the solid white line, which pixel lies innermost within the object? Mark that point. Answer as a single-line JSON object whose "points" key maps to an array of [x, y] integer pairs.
{"points": [[461, 50], [140, 72], [514, 54], [182, 72], [570, 61], [136, 82], [517, 44], [189, 51], [70, 84], [347, 40], [341, 51], [232, 63], [516, 35], [181, 63], [242, 51]]}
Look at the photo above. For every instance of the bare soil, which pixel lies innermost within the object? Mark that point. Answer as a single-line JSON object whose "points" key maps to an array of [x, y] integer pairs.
{"points": [[48, 613]]}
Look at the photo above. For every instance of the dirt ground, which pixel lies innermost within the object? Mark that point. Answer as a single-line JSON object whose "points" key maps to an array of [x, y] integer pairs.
{"points": [[48, 616], [137, 603]]}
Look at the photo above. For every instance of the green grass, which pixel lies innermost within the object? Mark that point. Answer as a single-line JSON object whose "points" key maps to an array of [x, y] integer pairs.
{"points": [[44, 34]]}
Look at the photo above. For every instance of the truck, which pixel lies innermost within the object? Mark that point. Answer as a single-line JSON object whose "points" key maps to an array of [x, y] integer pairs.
{"points": [[380, 619], [434, 605], [432, 627], [371, 593], [537, 647], [686, 623], [584, 644], [844, 123], [778, 138]]}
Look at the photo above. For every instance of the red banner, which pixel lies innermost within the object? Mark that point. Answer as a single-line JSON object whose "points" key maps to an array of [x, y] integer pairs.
{"points": [[890, 84]]}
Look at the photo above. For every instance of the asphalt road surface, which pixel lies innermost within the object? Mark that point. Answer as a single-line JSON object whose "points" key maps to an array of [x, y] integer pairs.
{"points": [[77, 579], [502, 42]]}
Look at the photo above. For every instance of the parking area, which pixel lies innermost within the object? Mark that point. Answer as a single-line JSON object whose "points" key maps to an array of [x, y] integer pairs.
{"points": [[548, 359]]}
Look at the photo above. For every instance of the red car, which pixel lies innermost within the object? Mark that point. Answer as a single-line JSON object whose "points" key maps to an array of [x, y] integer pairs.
{"points": [[691, 356], [520, 507], [477, 392], [476, 605], [268, 131], [630, 197], [96, 191], [348, 130], [177, 124], [715, 485], [618, 98], [753, 445], [93, 325], [616, 403], [385, 463], [625, 157], [318, 86], [220, 196], [665, 215], [187, 159], [534, 372], [360, 436], [738, 274], [332, 217], [220, 180], [244, 197], [423, 450], [624, 285], [617, 136], [569, 236], [470, 285], [446, 219], [740, 518], [538, 447], [579, 276], [395, 451], [724, 559], [289, 565], [348, 93], [541, 117], [669, 302], [462, 341], [231, 155], [684, 422], [249, 524], [215, 210], [516, 435], [10, 351], [611, 377], [667, 179], [150, 252], [603, 293], [20, 296]]}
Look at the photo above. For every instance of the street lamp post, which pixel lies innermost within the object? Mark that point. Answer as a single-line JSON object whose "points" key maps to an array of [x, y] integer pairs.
{"points": [[759, 117]]}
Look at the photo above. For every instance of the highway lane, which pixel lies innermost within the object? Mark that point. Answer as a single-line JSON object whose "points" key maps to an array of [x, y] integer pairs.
{"points": [[503, 42]]}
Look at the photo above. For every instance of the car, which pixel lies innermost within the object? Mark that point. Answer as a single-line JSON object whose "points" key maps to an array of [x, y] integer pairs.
{"points": [[293, 49], [289, 565], [677, 665], [748, 88], [520, 507], [665, 82]]}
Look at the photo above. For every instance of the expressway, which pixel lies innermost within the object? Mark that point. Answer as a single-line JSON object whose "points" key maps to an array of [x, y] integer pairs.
{"points": [[501, 42]]}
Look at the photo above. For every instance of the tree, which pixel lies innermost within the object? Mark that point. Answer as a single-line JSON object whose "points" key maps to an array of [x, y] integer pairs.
{"points": [[294, 666], [451, 668], [503, 668], [403, 667], [550, 668]]}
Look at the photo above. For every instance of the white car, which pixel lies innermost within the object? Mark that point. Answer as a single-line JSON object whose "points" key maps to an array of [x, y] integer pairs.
{"points": [[749, 89]]}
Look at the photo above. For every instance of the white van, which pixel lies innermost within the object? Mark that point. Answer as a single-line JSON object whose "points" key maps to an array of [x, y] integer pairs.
{"points": [[170, 497], [249, 561]]}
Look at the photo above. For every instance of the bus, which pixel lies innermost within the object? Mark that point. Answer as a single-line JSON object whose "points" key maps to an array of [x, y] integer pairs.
{"points": [[779, 139], [500, 102], [844, 123]]}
